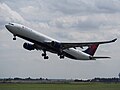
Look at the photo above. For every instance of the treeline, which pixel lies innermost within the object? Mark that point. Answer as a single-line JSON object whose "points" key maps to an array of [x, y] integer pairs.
{"points": [[99, 80], [46, 80], [17, 78]]}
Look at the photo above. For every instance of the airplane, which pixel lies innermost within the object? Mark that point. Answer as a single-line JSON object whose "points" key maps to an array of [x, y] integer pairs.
{"points": [[47, 44]]}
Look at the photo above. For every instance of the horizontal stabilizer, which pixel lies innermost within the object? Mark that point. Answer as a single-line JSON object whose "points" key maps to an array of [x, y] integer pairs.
{"points": [[100, 57]]}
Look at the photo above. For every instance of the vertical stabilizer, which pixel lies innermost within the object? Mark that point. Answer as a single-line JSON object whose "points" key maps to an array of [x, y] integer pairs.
{"points": [[91, 49]]}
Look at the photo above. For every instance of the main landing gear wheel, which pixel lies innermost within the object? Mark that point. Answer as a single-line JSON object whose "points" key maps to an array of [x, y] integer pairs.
{"points": [[45, 55], [61, 56]]}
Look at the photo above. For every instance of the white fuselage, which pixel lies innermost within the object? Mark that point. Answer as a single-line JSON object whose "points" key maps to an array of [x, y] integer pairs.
{"points": [[32, 35]]}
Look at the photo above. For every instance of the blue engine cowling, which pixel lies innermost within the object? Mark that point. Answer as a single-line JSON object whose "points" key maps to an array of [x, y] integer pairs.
{"points": [[28, 46]]}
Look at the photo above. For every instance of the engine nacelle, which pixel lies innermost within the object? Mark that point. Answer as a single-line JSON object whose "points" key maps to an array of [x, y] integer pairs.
{"points": [[56, 45], [28, 46]]}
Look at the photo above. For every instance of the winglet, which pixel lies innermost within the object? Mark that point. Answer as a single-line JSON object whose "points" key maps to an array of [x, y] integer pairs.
{"points": [[104, 42], [114, 40], [92, 48]]}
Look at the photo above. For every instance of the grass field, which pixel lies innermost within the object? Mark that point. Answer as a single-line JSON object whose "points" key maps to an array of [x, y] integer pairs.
{"points": [[78, 86]]}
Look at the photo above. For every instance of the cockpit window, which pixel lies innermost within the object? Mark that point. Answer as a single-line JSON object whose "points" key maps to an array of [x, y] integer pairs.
{"points": [[11, 23]]}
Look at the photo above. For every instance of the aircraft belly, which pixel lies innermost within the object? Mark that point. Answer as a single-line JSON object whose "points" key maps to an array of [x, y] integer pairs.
{"points": [[79, 55]]}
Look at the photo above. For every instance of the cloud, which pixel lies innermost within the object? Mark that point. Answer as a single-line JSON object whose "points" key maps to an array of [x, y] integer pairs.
{"points": [[68, 14], [86, 22], [81, 7], [9, 15], [108, 6]]}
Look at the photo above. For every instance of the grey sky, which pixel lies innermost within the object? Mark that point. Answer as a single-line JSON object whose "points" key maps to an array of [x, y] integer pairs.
{"points": [[65, 20]]}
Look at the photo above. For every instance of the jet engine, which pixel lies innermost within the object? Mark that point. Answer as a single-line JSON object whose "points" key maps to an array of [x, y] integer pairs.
{"points": [[28, 46]]}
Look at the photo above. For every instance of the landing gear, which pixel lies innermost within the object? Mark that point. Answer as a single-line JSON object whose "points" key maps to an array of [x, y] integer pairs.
{"points": [[14, 37], [44, 55], [61, 56]]}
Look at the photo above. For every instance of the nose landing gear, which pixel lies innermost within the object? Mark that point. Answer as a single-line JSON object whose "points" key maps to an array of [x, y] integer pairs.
{"points": [[14, 38]]}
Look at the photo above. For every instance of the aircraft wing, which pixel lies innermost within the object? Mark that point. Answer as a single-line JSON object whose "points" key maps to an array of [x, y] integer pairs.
{"points": [[73, 45]]}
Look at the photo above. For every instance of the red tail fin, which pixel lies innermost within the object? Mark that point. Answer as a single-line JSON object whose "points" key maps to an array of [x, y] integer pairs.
{"points": [[91, 49]]}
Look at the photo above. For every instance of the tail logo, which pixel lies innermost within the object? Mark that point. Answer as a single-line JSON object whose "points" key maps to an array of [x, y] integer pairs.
{"points": [[91, 49]]}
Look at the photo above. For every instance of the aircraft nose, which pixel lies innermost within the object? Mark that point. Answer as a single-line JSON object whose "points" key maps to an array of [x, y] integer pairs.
{"points": [[7, 26]]}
